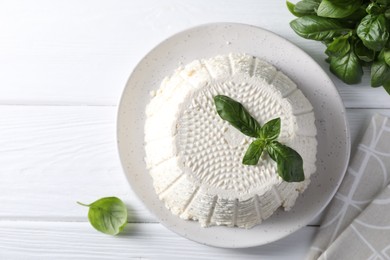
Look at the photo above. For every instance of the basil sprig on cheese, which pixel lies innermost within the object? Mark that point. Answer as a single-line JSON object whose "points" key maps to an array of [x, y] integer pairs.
{"points": [[289, 162]]}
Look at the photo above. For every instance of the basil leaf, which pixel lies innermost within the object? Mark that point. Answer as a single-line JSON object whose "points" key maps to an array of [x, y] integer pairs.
{"points": [[374, 8], [253, 153], [352, 20], [380, 73], [107, 215], [383, 2], [289, 162], [270, 130], [356, 16], [373, 32], [291, 8], [339, 47], [347, 67], [386, 86], [364, 54], [385, 55], [387, 14], [233, 112], [318, 28], [306, 7], [338, 8]]}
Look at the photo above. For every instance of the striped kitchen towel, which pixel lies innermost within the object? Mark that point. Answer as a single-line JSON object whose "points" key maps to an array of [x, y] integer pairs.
{"points": [[368, 174]]}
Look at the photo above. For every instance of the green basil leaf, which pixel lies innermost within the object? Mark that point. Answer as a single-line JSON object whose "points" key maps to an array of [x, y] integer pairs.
{"points": [[380, 73], [306, 7], [338, 8], [291, 7], [387, 14], [339, 47], [253, 153], [386, 86], [385, 55], [107, 215], [357, 16], [374, 8], [235, 113], [270, 130], [383, 2], [373, 32], [347, 67], [364, 54], [352, 20], [318, 28], [289, 162]]}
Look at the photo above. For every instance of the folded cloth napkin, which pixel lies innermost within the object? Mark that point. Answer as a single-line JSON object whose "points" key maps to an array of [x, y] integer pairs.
{"points": [[368, 236], [367, 175]]}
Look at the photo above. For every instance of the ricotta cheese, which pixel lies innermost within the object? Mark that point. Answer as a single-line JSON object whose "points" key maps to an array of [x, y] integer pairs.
{"points": [[195, 157]]}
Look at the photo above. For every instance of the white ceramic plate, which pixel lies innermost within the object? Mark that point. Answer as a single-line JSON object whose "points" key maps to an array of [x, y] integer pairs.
{"points": [[222, 38]]}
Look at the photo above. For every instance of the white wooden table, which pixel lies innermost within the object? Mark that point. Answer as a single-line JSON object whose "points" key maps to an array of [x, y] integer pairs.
{"points": [[63, 66]]}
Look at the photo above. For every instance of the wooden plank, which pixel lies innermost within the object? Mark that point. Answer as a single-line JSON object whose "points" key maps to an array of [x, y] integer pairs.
{"points": [[53, 156], [49, 240], [82, 52]]}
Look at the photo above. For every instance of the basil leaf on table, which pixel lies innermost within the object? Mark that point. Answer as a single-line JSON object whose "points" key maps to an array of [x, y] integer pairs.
{"points": [[387, 14], [386, 86], [338, 8], [307, 6], [374, 8], [380, 69], [252, 155], [383, 2], [373, 32], [385, 55], [304, 7], [356, 16], [354, 32], [318, 28], [289, 162], [380, 73], [339, 46], [270, 130], [291, 8], [107, 215], [347, 67], [363, 53], [233, 112]]}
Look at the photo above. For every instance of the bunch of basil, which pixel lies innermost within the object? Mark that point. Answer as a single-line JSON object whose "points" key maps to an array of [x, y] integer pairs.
{"points": [[355, 32]]}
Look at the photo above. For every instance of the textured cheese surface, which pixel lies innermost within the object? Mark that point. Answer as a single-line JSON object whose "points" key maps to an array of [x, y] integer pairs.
{"points": [[195, 157]]}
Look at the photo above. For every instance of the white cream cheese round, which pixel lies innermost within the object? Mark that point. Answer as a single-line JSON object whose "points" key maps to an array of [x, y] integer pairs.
{"points": [[195, 157]]}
